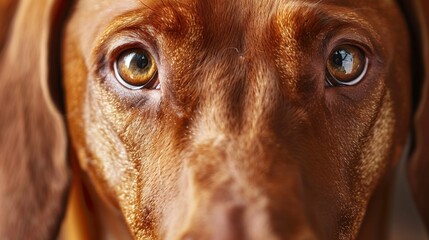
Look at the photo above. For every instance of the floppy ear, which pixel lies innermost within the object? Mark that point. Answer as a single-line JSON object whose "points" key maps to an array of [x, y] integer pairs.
{"points": [[417, 12], [33, 168], [7, 9]]}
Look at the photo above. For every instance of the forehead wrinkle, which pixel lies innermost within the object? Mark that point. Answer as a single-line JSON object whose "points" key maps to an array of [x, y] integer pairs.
{"points": [[132, 22], [314, 17]]}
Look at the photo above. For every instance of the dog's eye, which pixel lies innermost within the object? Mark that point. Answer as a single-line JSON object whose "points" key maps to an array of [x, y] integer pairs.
{"points": [[346, 66], [135, 68]]}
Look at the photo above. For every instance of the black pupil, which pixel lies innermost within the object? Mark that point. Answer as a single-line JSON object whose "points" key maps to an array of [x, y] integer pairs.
{"points": [[338, 57], [141, 60]]}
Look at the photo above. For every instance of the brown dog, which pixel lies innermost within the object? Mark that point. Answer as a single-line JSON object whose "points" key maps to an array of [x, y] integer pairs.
{"points": [[277, 119]]}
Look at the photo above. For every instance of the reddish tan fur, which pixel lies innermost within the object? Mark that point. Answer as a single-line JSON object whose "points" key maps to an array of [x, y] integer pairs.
{"points": [[243, 141]]}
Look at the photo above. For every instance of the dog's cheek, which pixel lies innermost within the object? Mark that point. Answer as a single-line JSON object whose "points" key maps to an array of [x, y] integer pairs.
{"points": [[135, 154], [93, 123]]}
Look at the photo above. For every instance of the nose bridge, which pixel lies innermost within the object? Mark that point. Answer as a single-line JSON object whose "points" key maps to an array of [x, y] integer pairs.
{"points": [[233, 148], [225, 201], [233, 155], [233, 192], [238, 115], [241, 95], [264, 98], [239, 160], [228, 220], [233, 161]]}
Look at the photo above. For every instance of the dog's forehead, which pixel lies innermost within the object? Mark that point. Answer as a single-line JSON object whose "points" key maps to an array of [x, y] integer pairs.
{"points": [[266, 33], [218, 14]]}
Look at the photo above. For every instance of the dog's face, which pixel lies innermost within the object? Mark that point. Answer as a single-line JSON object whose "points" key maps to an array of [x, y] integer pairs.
{"points": [[237, 119]]}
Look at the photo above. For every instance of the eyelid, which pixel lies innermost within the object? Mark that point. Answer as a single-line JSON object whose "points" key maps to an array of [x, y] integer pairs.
{"points": [[111, 44], [356, 37], [122, 43], [106, 53]]}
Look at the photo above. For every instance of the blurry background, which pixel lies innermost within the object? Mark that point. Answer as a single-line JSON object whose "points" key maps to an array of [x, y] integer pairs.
{"points": [[405, 222]]}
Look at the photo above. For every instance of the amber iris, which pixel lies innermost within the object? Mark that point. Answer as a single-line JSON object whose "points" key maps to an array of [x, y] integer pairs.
{"points": [[135, 68], [346, 65]]}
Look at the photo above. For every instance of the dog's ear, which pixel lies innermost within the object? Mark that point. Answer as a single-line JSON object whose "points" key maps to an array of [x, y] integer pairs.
{"points": [[33, 169], [7, 9], [417, 12]]}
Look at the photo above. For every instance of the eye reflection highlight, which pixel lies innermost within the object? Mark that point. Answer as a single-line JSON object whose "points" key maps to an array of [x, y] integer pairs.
{"points": [[135, 68], [347, 65]]}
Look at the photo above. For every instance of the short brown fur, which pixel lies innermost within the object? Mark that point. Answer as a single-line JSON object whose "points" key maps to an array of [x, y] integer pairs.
{"points": [[244, 140]]}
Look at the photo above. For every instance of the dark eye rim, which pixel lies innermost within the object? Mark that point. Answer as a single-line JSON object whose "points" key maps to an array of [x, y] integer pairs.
{"points": [[331, 81], [125, 83], [117, 49]]}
